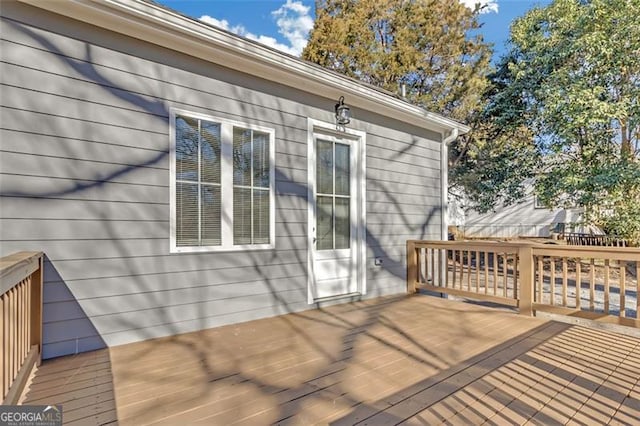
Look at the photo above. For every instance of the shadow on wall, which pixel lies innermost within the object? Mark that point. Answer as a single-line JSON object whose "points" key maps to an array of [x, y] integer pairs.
{"points": [[62, 313], [88, 280]]}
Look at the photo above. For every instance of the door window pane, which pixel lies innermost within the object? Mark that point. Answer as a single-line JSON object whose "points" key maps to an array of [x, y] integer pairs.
{"points": [[342, 169], [324, 167], [342, 221], [324, 223]]}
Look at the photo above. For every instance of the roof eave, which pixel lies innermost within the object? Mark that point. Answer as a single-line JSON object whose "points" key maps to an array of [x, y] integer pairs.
{"points": [[158, 25]]}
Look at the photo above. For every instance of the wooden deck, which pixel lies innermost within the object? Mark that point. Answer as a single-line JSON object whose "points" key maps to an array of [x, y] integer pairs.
{"points": [[415, 360]]}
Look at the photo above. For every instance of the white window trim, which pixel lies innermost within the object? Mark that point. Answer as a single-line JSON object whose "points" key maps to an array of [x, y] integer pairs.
{"points": [[226, 183]]}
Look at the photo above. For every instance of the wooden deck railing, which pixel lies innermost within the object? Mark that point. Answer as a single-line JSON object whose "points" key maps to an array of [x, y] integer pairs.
{"points": [[578, 239], [592, 282], [21, 325]]}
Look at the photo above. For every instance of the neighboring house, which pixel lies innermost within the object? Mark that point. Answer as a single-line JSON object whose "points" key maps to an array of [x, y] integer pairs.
{"points": [[179, 177], [525, 219]]}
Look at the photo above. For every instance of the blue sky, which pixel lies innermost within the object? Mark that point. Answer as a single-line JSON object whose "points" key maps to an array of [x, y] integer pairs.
{"points": [[284, 24]]}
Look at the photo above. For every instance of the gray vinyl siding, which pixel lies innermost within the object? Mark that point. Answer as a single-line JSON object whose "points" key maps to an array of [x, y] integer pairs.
{"points": [[84, 177]]}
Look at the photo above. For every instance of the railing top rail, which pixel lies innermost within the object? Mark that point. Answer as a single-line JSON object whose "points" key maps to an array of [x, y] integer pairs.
{"points": [[600, 252], [472, 245], [596, 252], [16, 267]]}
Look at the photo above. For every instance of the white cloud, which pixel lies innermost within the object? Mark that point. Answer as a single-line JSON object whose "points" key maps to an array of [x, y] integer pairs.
{"points": [[222, 23], [488, 6], [293, 21]]}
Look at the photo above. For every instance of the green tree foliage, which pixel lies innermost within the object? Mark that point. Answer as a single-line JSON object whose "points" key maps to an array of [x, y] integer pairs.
{"points": [[495, 163], [575, 68], [428, 46], [422, 44]]}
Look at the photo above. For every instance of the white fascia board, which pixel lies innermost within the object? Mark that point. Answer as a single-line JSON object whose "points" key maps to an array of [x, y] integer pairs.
{"points": [[157, 25]]}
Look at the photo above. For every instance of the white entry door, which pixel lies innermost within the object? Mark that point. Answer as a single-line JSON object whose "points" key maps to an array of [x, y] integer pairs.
{"points": [[336, 234]]}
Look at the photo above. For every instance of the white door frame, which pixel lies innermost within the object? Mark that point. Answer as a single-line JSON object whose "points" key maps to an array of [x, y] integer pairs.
{"points": [[322, 127]]}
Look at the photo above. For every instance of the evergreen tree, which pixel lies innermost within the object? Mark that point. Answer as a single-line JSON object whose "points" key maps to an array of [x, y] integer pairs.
{"points": [[433, 48]]}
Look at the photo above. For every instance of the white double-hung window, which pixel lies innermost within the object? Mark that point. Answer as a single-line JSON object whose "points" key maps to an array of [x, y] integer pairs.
{"points": [[222, 184]]}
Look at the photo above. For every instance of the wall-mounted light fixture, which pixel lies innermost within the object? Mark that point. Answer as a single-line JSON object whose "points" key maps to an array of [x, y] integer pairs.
{"points": [[343, 112]]}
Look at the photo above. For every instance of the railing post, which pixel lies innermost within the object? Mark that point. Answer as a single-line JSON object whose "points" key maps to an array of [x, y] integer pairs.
{"points": [[412, 266], [36, 308], [525, 255]]}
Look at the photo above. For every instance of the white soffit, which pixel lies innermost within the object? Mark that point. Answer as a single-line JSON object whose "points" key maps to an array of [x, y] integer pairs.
{"points": [[155, 24]]}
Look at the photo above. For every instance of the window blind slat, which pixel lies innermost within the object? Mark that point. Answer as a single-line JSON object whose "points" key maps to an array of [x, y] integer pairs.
{"points": [[210, 152], [186, 148], [186, 214], [261, 160], [241, 156], [210, 205], [241, 216], [261, 217]]}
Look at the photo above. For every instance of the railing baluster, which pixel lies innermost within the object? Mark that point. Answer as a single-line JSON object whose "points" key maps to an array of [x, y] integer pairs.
{"points": [[540, 279], [578, 282], [442, 267], [592, 284], [23, 322], [623, 289], [564, 281], [422, 268], [516, 279], [486, 272], [552, 282], [505, 275], [12, 334], [444, 260], [477, 271], [453, 269], [18, 302], [461, 269], [638, 290], [606, 286], [25, 318], [2, 346], [495, 273], [468, 270], [433, 267]]}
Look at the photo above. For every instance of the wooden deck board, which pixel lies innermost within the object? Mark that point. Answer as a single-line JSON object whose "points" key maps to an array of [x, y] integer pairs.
{"points": [[412, 360]]}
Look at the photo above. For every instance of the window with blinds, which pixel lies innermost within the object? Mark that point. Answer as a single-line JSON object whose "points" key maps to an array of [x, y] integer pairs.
{"points": [[222, 177], [250, 187], [198, 193]]}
